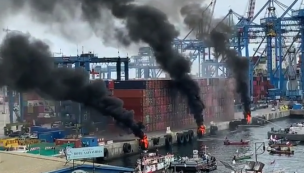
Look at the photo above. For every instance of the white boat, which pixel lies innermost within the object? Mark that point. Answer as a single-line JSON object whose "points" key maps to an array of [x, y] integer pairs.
{"points": [[153, 162]]}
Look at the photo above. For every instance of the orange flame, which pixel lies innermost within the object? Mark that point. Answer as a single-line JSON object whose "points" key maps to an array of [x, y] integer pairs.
{"points": [[201, 129], [144, 142], [248, 118]]}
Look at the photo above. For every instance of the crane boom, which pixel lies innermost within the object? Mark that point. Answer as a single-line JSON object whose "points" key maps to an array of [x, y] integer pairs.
{"points": [[251, 9]]}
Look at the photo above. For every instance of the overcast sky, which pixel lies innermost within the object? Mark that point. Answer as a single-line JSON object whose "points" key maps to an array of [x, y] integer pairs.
{"points": [[24, 24]]}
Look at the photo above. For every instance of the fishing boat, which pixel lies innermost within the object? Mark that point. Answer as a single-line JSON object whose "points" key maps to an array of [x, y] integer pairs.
{"points": [[227, 142], [153, 162], [198, 163], [274, 142], [280, 151], [242, 156]]}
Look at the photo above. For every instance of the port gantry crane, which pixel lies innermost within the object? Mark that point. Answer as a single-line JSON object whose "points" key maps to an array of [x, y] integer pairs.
{"points": [[269, 30], [275, 31], [144, 64], [194, 49], [238, 41], [197, 50]]}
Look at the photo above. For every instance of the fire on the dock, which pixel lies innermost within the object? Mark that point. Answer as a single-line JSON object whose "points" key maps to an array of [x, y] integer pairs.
{"points": [[144, 142], [201, 130], [248, 117]]}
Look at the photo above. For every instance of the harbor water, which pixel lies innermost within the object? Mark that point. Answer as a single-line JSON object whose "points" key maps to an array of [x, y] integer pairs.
{"points": [[225, 153]]}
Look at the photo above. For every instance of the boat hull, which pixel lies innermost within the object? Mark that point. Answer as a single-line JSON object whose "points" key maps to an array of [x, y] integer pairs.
{"points": [[279, 145], [281, 152], [291, 137]]}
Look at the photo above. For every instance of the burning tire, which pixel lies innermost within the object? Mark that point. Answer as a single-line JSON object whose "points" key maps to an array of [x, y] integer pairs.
{"points": [[144, 143], [201, 131]]}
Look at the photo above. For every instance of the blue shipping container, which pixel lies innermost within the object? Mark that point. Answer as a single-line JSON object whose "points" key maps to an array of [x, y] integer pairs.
{"points": [[297, 106], [293, 92], [35, 128], [90, 141], [130, 84], [60, 134], [47, 137]]}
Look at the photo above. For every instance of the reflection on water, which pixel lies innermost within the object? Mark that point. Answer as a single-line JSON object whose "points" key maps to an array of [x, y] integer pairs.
{"points": [[225, 153]]}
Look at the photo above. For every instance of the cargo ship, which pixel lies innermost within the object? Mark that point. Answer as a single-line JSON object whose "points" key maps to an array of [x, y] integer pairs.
{"points": [[151, 101]]}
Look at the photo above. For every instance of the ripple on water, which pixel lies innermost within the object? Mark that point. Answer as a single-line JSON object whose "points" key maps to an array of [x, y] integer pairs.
{"points": [[225, 153]]}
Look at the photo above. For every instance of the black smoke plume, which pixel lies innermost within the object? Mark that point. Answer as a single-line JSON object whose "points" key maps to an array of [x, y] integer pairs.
{"points": [[26, 65], [148, 24], [143, 24], [239, 66]]}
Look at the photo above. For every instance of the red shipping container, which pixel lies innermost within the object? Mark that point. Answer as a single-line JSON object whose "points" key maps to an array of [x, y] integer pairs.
{"points": [[77, 142], [120, 93], [133, 101]]}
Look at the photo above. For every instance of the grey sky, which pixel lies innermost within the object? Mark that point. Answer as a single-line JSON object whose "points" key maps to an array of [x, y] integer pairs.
{"points": [[94, 44]]}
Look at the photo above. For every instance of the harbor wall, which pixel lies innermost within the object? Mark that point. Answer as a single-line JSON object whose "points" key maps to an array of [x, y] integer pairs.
{"points": [[116, 149]]}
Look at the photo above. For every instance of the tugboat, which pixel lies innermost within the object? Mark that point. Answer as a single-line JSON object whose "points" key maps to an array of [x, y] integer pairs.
{"points": [[198, 163], [153, 162]]}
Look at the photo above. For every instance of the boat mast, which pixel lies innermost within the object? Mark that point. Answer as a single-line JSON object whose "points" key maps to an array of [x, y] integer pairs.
{"points": [[257, 147]]}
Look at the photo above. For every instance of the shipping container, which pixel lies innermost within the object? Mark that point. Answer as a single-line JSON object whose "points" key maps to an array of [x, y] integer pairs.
{"points": [[130, 84], [155, 103], [90, 141], [46, 137], [77, 142], [130, 93]]}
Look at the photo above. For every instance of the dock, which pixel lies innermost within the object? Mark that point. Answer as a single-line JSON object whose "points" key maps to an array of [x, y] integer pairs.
{"points": [[11, 162], [116, 149]]}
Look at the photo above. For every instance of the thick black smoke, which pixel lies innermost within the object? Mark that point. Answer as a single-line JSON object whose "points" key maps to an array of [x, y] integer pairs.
{"points": [[26, 65], [201, 20], [143, 23], [239, 66], [147, 24]]}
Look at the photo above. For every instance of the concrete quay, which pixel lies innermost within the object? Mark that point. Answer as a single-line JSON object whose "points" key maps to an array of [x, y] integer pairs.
{"points": [[297, 113], [118, 149]]}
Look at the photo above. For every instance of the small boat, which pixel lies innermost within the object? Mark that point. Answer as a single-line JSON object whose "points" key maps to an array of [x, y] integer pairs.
{"points": [[227, 142], [153, 162], [244, 156], [199, 162], [273, 141], [282, 150]]}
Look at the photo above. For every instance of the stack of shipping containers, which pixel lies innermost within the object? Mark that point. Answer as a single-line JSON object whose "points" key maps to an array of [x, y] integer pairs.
{"points": [[38, 109], [155, 103], [260, 88]]}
